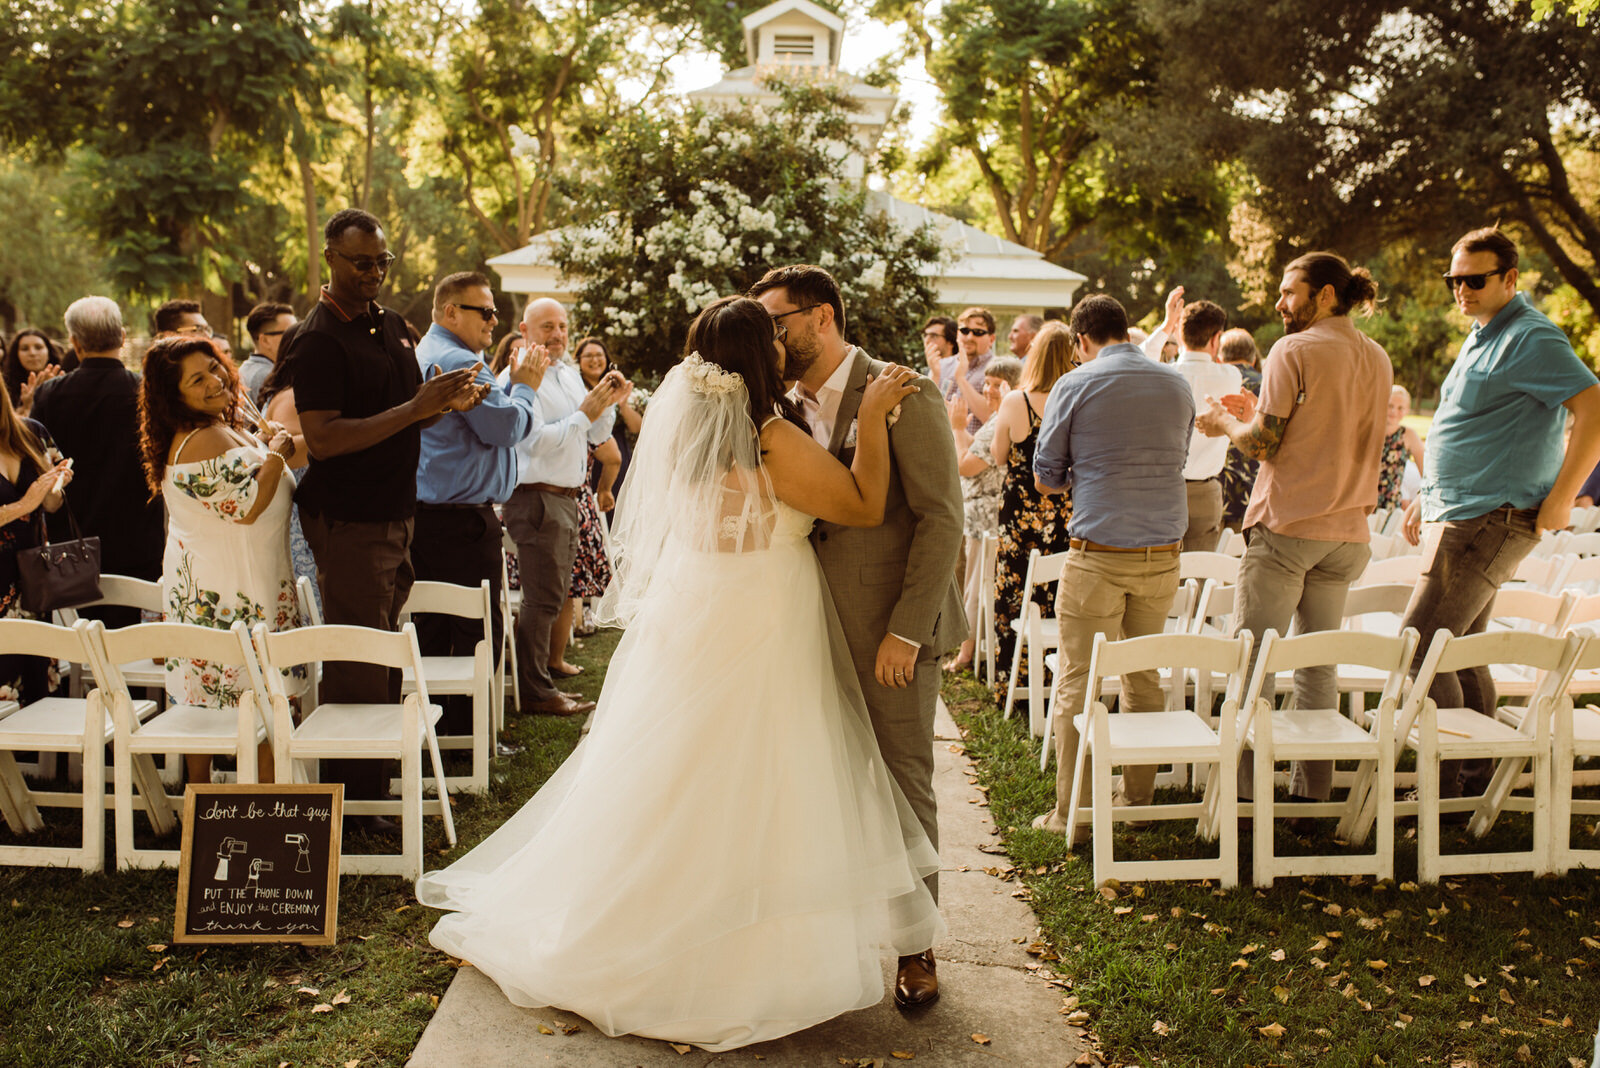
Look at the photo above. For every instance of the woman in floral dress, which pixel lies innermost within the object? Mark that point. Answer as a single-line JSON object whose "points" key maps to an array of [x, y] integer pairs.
{"points": [[27, 482], [1399, 443], [229, 502], [1028, 519]]}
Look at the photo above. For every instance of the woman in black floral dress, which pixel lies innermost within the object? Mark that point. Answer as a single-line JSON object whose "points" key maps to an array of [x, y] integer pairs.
{"points": [[1028, 519]]}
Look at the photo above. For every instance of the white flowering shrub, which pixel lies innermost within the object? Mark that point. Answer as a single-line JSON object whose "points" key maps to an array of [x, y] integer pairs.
{"points": [[689, 205]]}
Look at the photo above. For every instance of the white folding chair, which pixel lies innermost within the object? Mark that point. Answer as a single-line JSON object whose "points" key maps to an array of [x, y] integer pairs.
{"points": [[361, 731], [468, 675], [1201, 566], [1406, 568], [1230, 542], [78, 726], [1037, 632], [1381, 547], [229, 731], [1292, 733], [123, 591], [1176, 736], [310, 607], [1571, 544], [1580, 573], [987, 639], [1438, 734], [1576, 736], [1378, 519], [510, 606]]}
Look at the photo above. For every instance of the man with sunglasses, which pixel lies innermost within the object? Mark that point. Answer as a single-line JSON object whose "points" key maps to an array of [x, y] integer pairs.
{"points": [[962, 374], [468, 465], [1497, 475], [363, 402]]}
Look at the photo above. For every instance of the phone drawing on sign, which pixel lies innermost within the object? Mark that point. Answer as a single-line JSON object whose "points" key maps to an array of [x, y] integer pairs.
{"points": [[257, 866], [229, 846], [302, 842]]}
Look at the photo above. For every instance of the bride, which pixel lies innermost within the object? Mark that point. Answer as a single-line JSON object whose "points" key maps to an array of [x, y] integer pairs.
{"points": [[723, 857]]}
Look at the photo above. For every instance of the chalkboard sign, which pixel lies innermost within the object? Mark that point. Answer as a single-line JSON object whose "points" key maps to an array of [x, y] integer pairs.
{"points": [[260, 863]]}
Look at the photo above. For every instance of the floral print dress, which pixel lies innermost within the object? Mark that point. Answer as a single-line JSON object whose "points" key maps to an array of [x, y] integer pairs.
{"points": [[1028, 520], [218, 569], [591, 568], [1392, 469]]}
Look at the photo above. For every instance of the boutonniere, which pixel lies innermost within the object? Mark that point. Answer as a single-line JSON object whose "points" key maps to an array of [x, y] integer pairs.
{"points": [[894, 414], [850, 435]]}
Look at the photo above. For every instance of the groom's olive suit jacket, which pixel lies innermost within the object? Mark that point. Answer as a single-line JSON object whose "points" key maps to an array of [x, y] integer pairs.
{"points": [[900, 577]]}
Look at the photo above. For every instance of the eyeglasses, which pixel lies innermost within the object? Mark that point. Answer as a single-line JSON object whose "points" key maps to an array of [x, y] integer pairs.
{"points": [[781, 333], [974, 331], [1473, 282], [784, 315], [274, 333], [363, 264], [193, 330], [487, 313]]}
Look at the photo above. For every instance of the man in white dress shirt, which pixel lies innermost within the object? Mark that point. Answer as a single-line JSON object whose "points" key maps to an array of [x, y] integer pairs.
{"points": [[1201, 330], [542, 514]]}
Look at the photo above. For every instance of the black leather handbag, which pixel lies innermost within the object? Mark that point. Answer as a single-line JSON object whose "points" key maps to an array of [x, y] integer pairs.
{"points": [[64, 574]]}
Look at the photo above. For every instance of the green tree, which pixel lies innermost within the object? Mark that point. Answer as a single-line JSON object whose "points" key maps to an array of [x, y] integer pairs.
{"points": [[693, 204], [46, 261]]}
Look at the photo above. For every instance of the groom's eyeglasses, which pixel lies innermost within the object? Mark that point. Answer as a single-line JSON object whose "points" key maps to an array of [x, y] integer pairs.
{"points": [[796, 311], [781, 333]]}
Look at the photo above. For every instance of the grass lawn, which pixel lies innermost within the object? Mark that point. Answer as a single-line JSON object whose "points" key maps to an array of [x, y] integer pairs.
{"points": [[91, 980], [1479, 971]]}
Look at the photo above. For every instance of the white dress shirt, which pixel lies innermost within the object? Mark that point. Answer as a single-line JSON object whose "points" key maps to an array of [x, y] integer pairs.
{"points": [[557, 452], [826, 400], [1206, 376]]}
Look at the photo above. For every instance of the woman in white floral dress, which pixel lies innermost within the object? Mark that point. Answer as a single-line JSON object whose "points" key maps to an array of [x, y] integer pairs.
{"points": [[229, 501]]}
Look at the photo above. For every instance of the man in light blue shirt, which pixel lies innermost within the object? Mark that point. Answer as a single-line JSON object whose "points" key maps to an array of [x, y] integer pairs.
{"points": [[468, 464], [1497, 472], [1116, 430]]}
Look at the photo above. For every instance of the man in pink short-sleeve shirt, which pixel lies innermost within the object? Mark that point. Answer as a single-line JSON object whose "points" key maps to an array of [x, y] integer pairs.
{"points": [[1318, 431]]}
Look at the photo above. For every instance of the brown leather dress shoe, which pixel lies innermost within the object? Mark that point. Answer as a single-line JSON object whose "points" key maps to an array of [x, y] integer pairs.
{"points": [[916, 986], [558, 706]]}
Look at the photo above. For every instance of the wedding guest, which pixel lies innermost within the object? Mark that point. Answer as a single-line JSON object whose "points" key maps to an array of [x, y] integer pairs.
{"points": [[180, 317], [981, 486], [30, 358], [1317, 431], [29, 470], [277, 405], [467, 465], [228, 500], [938, 344], [962, 374], [266, 324], [1117, 431], [508, 345], [362, 403], [594, 361], [93, 415], [543, 513], [1201, 329], [1024, 328], [1400, 443], [1028, 519], [1239, 472], [224, 346], [591, 569]]}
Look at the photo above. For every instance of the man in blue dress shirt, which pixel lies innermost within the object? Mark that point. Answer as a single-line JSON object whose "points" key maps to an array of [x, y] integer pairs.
{"points": [[1117, 431], [468, 465], [1497, 472]]}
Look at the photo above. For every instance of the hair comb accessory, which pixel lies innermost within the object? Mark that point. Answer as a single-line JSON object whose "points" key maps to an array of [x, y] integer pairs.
{"points": [[708, 377]]}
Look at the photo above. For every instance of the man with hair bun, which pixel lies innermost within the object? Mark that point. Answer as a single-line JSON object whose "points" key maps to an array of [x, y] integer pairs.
{"points": [[1497, 475], [1318, 431]]}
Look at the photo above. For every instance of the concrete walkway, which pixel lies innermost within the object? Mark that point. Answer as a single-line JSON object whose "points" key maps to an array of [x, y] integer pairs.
{"points": [[986, 985]]}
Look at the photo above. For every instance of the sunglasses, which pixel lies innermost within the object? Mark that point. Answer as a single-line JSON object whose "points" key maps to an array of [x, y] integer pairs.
{"points": [[487, 313], [363, 264], [1473, 282], [974, 331]]}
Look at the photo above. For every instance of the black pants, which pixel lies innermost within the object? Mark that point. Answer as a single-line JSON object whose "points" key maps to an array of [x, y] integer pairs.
{"points": [[460, 544]]}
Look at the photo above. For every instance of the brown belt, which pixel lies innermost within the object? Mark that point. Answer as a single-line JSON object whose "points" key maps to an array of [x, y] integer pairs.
{"points": [[1096, 547], [545, 487]]}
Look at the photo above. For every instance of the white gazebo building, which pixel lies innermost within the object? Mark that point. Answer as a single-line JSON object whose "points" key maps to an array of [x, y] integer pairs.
{"points": [[1007, 278]]}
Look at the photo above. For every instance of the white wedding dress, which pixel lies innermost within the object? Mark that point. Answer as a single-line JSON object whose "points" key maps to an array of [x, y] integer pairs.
{"points": [[724, 858]]}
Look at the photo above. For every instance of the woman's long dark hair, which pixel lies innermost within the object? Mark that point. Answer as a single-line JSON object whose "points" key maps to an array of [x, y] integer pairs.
{"points": [[11, 364], [163, 413], [736, 333], [18, 439]]}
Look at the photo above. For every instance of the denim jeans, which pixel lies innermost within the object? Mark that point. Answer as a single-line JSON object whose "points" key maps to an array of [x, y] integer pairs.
{"points": [[1466, 560]]}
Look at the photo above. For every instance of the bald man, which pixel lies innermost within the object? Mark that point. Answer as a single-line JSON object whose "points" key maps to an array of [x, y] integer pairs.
{"points": [[542, 514]]}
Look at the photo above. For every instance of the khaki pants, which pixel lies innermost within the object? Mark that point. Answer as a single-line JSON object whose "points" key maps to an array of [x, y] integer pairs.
{"points": [[1298, 580], [1205, 516], [1120, 595]]}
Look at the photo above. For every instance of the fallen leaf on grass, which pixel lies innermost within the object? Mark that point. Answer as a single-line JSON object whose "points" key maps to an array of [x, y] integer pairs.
{"points": [[1160, 1027], [570, 1029], [1278, 954], [1108, 893], [1505, 996], [192, 1058], [1377, 965], [901, 1054], [680, 1047], [1590, 942], [1086, 1058], [1471, 982], [353, 1062], [1273, 1030], [341, 998], [125, 924], [313, 991], [1122, 910], [324, 1007], [1427, 980], [980, 1038], [162, 963], [1078, 1017], [156, 947], [1281, 993]]}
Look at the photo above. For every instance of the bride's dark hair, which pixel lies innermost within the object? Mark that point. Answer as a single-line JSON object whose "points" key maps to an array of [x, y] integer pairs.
{"points": [[736, 333]]}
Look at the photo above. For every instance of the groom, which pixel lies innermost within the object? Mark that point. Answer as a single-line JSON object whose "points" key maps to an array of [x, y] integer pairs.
{"points": [[893, 585]]}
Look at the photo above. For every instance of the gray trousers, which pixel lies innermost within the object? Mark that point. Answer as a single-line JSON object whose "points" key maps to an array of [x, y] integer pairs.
{"points": [[1303, 581], [545, 529]]}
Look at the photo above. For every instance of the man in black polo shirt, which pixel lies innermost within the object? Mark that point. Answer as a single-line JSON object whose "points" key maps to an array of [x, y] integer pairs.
{"points": [[362, 404]]}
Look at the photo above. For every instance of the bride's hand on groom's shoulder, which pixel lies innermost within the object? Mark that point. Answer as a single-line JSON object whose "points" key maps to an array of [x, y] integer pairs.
{"points": [[884, 393]]}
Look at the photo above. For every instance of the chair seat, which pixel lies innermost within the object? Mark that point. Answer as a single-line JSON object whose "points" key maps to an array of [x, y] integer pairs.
{"points": [[1586, 727], [1323, 732], [1463, 728], [349, 727], [445, 674], [1153, 736], [8, 707], [55, 723], [181, 726]]}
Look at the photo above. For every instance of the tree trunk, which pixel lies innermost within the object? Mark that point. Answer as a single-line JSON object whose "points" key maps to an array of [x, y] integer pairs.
{"points": [[308, 195]]}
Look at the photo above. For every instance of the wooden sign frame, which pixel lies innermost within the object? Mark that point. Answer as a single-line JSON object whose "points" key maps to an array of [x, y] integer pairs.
{"points": [[330, 793]]}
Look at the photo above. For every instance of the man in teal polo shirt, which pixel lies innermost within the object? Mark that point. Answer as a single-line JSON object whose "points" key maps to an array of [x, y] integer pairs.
{"points": [[1497, 472]]}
